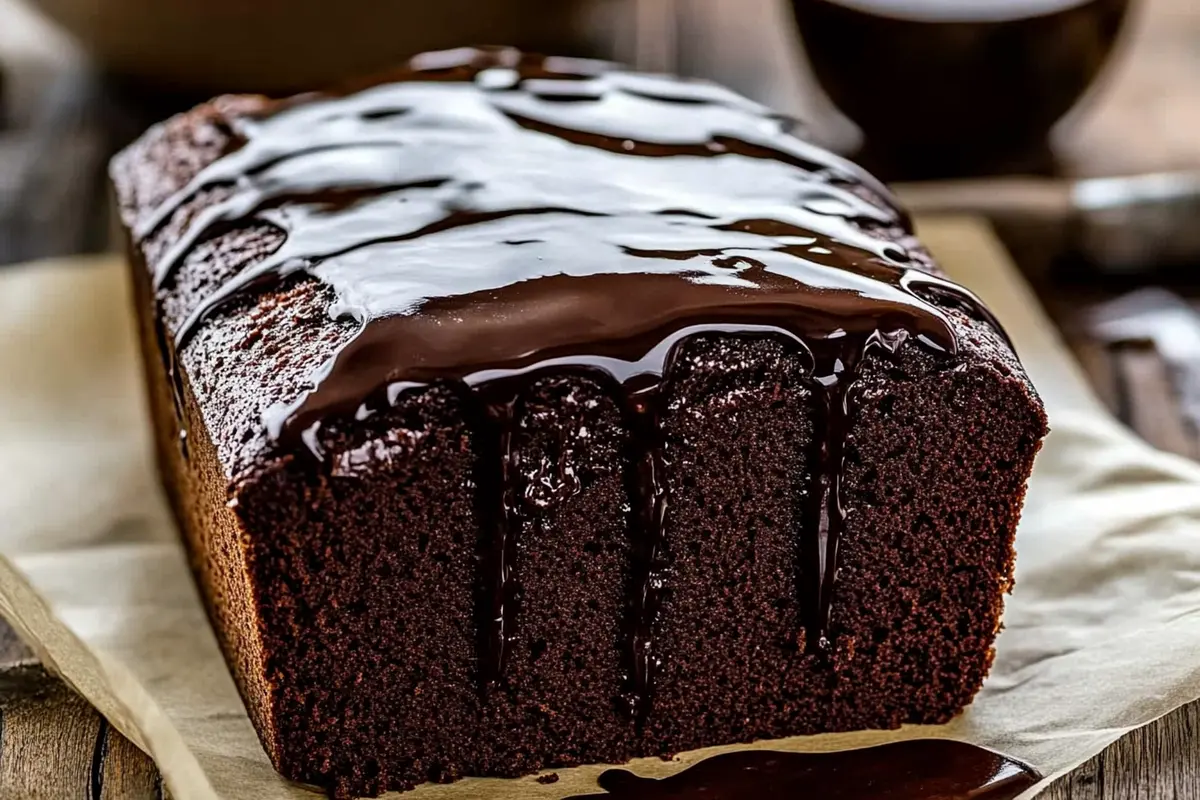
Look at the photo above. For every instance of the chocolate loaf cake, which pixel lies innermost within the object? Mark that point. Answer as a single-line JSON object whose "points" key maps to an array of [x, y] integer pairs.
{"points": [[525, 412]]}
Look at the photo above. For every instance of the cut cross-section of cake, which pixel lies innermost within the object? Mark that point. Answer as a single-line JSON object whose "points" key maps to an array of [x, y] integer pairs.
{"points": [[524, 412]]}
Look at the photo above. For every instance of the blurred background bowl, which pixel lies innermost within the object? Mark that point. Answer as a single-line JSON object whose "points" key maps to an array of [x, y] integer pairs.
{"points": [[946, 88]]}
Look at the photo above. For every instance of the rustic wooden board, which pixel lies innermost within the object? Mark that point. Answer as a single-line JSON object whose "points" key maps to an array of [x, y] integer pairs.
{"points": [[54, 745]]}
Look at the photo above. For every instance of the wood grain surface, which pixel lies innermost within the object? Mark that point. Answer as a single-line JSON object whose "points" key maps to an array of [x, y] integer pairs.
{"points": [[54, 745]]}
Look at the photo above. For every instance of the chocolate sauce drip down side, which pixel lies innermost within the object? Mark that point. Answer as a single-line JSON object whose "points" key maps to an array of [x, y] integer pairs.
{"points": [[499, 491], [648, 487], [835, 372], [486, 217], [920, 769]]}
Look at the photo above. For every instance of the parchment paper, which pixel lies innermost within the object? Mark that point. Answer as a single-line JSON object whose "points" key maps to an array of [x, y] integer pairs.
{"points": [[1102, 632]]}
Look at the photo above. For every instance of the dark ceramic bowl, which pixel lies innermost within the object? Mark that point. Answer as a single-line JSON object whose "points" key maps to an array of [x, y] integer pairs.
{"points": [[945, 88]]}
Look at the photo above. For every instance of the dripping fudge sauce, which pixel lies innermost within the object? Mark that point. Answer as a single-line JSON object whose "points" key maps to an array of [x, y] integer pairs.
{"points": [[522, 412], [945, 88], [921, 769]]}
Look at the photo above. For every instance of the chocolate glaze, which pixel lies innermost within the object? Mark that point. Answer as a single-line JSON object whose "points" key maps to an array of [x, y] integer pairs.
{"points": [[919, 769], [486, 217]]}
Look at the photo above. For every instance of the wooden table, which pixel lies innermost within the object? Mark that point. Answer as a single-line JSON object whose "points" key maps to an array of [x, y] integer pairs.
{"points": [[54, 745]]}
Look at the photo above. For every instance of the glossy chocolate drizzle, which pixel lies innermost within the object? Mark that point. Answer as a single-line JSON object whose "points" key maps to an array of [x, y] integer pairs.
{"points": [[920, 769], [487, 217]]}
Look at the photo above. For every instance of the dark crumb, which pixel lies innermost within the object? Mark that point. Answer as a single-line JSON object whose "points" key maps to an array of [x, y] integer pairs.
{"points": [[548, 779]]}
